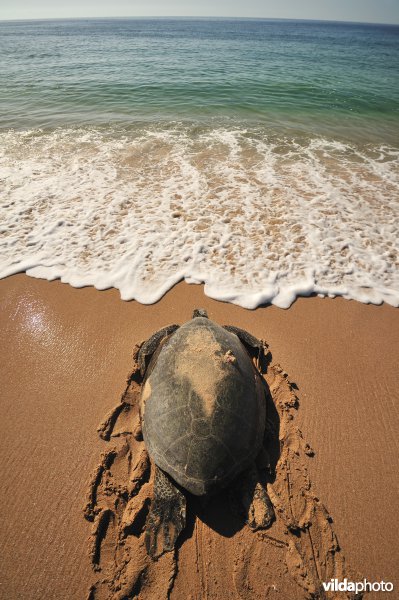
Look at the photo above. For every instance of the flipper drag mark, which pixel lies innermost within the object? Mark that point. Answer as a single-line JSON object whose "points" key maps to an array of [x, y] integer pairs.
{"points": [[120, 505]]}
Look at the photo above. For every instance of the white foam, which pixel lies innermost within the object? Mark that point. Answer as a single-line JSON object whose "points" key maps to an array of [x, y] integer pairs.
{"points": [[257, 218]]}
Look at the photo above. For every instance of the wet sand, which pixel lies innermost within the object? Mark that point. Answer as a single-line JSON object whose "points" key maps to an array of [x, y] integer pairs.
{"points": [[65, 357]]}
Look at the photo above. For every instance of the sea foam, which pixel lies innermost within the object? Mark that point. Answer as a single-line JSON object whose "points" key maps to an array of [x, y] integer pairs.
{"points": [[257, 217]]}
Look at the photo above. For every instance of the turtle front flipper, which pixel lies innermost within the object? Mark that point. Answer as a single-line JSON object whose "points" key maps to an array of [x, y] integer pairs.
{"points": [[250, 499], [167, 516], [254, 347], [148, 348]]}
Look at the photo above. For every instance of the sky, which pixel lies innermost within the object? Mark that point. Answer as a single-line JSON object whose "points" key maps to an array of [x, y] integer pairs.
{"points": [[372, 11]]}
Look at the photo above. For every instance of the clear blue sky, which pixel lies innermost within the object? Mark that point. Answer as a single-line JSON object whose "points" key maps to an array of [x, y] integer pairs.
{"points": [[378, 11]]}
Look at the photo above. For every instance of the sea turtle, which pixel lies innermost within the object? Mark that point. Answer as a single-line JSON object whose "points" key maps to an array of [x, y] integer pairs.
{"points": [[202, 412]]}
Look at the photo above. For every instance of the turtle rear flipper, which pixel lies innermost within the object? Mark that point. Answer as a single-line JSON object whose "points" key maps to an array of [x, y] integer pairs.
{"points": [[250, 499], [167, 517]]}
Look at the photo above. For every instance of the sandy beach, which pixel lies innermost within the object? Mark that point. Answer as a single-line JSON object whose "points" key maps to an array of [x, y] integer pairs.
{"points": [[65, 357], [243, 161]]}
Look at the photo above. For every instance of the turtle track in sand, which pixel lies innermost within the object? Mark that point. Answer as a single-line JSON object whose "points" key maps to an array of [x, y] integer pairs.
{"points": [[217, 556]]}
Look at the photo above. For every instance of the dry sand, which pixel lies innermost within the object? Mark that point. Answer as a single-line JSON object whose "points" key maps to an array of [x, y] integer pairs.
{"points": [[65, 357]]}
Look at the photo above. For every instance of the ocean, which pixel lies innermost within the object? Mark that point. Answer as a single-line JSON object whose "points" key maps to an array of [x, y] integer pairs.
{"points": [[260, 157]]}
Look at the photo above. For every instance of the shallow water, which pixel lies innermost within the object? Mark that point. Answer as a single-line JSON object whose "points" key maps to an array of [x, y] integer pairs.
{"points": [[259, 157]]}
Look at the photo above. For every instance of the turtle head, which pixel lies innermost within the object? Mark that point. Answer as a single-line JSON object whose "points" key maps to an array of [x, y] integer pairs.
{"points": [[200, 312]]}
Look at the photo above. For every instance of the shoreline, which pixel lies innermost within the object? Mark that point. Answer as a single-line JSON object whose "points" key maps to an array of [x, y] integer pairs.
{"points": [[66, 354], [258, 216]]}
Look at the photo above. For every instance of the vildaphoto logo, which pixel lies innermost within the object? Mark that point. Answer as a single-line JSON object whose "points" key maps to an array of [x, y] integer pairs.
{"points": [[334, 585]]}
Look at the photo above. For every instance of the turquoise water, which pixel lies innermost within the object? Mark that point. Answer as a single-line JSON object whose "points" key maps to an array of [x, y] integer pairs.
{"points": [[306, 76], [260, 157]]}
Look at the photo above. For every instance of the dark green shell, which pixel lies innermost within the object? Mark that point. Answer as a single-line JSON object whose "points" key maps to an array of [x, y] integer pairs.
{"points": [[203, 407]]}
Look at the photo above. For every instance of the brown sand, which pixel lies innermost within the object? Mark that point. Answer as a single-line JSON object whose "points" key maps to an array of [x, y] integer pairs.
{"points": [[65, 357], [298, 551]]}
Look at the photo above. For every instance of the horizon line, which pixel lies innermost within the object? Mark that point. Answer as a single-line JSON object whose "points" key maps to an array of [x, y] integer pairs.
{"points": [[197, 17]]}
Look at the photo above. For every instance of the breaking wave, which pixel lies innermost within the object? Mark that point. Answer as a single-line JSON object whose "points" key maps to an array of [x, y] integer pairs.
{"points": [[258, 217]]}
